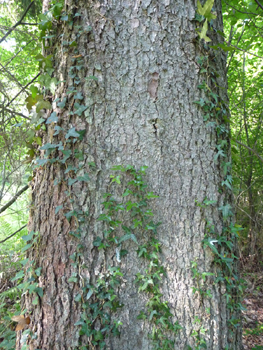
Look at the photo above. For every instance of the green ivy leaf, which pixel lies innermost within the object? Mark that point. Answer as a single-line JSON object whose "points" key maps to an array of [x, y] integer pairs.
{"points": [[84, 178], [52, 119], [18, 275], [79, 109], [39, 291], [71, 181], [38, 271], [203, 32], [26, 247], [226, 210], [42, 105], [206, 9], [58, 208], [72, 133], [62, 103], [78, 96]]}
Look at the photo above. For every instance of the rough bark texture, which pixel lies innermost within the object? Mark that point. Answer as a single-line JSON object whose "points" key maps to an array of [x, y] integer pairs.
{"points": [[141, 111]]}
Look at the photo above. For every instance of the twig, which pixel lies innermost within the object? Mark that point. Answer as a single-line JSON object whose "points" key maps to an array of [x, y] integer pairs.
{"points": [[21, 228], [14, 199], [18, 23], [251, 149], [22, 90], [259, 4]]}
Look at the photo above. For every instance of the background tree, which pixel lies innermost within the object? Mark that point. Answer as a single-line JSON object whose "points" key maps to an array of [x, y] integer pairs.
{"points": [[133, 78], [243, 21]]}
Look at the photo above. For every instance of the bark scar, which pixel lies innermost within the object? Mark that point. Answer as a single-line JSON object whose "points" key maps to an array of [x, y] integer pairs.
{"points": [[153, 85]]}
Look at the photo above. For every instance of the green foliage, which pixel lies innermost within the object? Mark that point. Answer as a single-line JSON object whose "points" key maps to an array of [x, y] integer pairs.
{"points": [[243, 25], [135, 201], [204, 12]]}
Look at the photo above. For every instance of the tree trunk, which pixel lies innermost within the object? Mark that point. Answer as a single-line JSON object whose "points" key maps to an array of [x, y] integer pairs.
{"points": [[140, 111]]}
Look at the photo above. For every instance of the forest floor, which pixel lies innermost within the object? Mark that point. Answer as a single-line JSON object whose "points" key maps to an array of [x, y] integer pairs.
{"points": [[251, 272]]}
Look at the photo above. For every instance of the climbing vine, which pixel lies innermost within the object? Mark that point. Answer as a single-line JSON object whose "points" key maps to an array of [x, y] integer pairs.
{"points": [[223, 243]]}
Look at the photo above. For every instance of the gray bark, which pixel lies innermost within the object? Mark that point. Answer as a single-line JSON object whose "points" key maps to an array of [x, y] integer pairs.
{"points": [[141, 111]]}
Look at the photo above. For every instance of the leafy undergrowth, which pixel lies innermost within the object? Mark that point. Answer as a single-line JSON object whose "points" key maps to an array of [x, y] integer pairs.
{"points": [[9, 300], [252, 269]]}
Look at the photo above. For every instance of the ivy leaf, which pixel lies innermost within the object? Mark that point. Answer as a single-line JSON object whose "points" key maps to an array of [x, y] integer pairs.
{"points": [[39, 291], [206, 9], [71, 181], [79, 109], [19, 274], [78, 96], [202, 34], [52, 119], [226, 211], [97, 242], [62, 103], [38, 271], [58, 208], [28, 237], [58, 129], [32, 101], [48, 146], [72, 133], [34, 90], [41, 162], [43, 105], [67, 154], [84, 178]]}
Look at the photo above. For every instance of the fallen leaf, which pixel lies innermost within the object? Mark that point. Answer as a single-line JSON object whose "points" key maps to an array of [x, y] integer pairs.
{"points": [[22, 321]]}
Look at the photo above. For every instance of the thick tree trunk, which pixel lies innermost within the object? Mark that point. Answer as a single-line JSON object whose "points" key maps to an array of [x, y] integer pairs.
{"points": [[141, 112]]}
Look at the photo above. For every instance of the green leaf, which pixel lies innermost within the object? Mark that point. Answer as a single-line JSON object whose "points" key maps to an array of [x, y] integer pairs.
{"points": [[62, 103], [58, 129], [52, 119], [32, 101], [28, 237], [71, 181], [38, 271], [42, 105], [97, 242], [58, 208], [18, 275], [84, 178], [72, 133], [34, 90], [35, 301], [154, 312], [78, 96], [79, 109], [202, 34], [77, 298], [226, 210], [206, 9], [39, 291], [67, 154], [26, 247], [89, 294]]}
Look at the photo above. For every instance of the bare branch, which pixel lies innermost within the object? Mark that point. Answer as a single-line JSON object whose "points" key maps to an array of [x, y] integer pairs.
{"points": [[16, 113], [29, 24], [18, 23], [259, 4], [22, 89], [14, 198], [21, 228], [250, 149], [250, 53]]}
